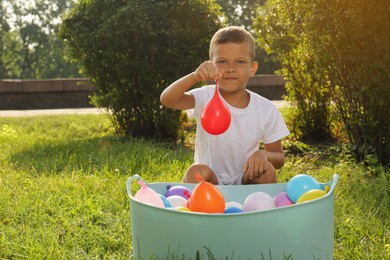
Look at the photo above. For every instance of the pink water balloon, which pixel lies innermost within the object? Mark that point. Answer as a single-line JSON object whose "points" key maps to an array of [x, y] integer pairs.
{"points": [[148, 195], [258, 201], [215, 117], [281, 199]]}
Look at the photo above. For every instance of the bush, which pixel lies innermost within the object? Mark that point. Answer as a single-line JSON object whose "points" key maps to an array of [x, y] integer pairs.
{"points": [[281, 29], [133, 49], [335, 53], [351, 39]]}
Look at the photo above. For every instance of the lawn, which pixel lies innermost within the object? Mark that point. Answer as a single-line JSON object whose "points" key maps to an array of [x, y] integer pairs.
{"points": [[63, 188]]}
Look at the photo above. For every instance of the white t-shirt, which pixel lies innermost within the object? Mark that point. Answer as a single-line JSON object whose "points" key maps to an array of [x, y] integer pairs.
{"points": [[227, 153]]}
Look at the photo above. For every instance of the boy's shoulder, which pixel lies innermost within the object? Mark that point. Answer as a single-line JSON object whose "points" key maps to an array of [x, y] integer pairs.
{"points": [[257, 98]]}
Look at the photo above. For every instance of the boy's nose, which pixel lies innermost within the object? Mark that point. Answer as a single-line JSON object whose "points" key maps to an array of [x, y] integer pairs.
{"points": [[230, 67]]}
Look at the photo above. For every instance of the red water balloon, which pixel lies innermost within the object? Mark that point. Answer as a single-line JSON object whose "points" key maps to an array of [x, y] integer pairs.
{"points": [[206, 198], [215, 117]]}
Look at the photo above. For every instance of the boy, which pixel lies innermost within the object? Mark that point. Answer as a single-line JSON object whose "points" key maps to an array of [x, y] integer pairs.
{"points": [[234, 156]]}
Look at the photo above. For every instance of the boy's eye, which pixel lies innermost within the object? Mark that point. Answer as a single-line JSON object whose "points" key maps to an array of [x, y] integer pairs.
{"points": [[239, 62]]}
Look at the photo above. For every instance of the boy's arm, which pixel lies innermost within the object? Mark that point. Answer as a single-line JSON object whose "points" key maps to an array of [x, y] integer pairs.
{"points": [[176, 96], [260, 162], [275, 154]]}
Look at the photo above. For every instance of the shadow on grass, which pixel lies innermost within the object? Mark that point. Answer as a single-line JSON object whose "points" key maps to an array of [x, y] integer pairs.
{"points": [[121, 155]]}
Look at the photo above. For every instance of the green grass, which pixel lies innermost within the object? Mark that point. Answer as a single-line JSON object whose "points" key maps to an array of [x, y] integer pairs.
{"points": [[63, 194]]}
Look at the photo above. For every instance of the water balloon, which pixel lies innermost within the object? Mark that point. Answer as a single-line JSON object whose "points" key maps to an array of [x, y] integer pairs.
{"points": [[178, 190], [177, 201], [311, 195], [183, 209], [234, 204], [148, 195], [232, 210], [281, 199], [206, 198], [258, 201], [165, 201], [215, 117], [300, 184]]}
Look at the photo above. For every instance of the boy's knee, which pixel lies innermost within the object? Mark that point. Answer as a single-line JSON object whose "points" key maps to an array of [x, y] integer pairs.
{"points": [[204, 170]]}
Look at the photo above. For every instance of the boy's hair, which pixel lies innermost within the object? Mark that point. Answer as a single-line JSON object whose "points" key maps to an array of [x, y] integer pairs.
{"points": [[233, 34]]}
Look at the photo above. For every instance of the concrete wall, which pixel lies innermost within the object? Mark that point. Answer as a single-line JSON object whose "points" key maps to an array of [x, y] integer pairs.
{"points": [[74, 93], [268, 86], [45, 94]]}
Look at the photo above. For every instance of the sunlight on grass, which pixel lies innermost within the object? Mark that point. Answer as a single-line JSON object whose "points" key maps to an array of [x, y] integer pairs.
{"points": [[63, 195], [49, 217]]}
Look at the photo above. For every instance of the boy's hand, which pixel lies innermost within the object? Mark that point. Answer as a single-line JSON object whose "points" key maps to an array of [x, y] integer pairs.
{"points": [[206, 71], [258, 169]]}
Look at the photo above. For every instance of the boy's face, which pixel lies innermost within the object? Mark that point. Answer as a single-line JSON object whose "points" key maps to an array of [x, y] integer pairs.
{"points": [[233, 61]]}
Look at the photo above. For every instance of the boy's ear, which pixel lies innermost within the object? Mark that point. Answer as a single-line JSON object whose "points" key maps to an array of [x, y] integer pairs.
{"points": [[254, 68]]}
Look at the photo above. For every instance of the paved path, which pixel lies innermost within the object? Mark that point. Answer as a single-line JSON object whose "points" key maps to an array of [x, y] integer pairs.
{"points": [[77, 111], [36, 112], [280, 103]]}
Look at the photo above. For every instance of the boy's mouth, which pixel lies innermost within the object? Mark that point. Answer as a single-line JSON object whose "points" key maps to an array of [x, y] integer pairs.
{"points": [[230, 78]]}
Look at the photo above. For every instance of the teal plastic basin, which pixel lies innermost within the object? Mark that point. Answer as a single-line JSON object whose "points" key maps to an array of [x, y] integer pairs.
{"points": [[302, 231]]}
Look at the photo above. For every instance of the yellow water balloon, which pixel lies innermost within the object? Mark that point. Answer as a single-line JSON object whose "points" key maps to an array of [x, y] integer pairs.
{"points": [[311, 195], [183, 209]]}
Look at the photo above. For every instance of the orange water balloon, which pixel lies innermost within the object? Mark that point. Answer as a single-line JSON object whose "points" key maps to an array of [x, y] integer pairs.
{"points": [[206, 198], [215, 117]]}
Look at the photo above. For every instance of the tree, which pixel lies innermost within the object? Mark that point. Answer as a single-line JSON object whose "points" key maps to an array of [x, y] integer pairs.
{"points": [[282, 29], [351, 41], [4, 28], [133, 49], [340, 52], [243, 13], [32, 48]]}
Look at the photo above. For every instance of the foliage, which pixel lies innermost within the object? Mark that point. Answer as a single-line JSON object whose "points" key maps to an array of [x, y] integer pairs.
{"points": [[134, 49], [282, 28], [335, 53], [243, 13], [351, 42], [63, 189], [43, 55], [4, 28], [29, 42]]}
